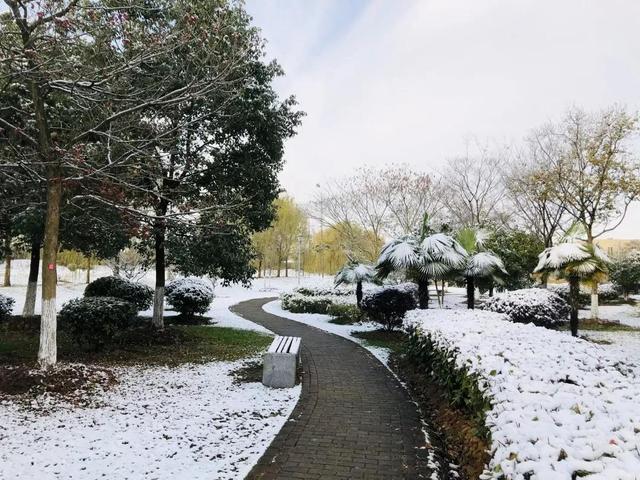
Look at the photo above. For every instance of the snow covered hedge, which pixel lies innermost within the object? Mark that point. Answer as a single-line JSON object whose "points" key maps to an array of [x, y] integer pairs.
{"points": [[135, 293], [298, 303], [560, 407], [190, 295], [323, 292], [6, 306], [607, 292], [530, 305]]}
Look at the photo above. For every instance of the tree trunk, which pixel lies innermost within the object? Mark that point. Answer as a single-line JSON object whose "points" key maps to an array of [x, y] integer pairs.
{"points": [[423, 294], [32, 286], [160, 230], [574, 303], [471, 293], [286, 266], [491, 291], [594, 301], [88, 269], [359, 294], [48, 351], [7, 256]]}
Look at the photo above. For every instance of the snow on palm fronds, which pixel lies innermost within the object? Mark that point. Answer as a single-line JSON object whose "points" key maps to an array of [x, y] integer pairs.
{"points": [[354, 273], [442, 254], [483, 265], [434, 257], [402, 253], [573, 259]]}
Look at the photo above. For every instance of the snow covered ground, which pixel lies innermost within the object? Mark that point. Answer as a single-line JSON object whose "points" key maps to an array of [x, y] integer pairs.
{"points": [[560, 404], [190, 421]]}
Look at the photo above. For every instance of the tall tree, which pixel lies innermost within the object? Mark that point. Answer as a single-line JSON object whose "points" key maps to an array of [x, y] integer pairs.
{"points": [[122, 71], [474, 189], [290, 222], [596, 175]]}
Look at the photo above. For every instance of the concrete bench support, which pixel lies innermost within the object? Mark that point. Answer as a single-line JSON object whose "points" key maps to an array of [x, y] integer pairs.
{"points": [[280, 362]]}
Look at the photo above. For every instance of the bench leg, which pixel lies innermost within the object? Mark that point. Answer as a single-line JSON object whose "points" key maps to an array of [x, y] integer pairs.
{"points": [[279, 370]]}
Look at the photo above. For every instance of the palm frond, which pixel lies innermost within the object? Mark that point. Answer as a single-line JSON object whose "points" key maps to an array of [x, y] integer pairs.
{"points": [[484, 265], [354, 272]]}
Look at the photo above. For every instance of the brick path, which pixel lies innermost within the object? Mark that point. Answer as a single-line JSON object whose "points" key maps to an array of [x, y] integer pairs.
{"points": [[353, 421]]}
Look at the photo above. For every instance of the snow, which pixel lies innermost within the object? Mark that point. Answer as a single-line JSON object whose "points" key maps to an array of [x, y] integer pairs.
{"points": [[321, 322], [560, 404], [530, 305], [191, 421]]}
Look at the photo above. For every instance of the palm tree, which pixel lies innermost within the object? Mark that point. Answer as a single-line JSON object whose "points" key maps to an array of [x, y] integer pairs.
{"points": [[422, 261], [575, 262], [479, 265], [354, 272]]}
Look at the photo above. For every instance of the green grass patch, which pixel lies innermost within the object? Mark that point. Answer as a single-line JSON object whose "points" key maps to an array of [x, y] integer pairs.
{"points": [[172, 346], [394, 340], [601, 326]]}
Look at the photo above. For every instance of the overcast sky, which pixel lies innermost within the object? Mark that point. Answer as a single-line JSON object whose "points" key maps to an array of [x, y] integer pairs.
{"points": [[401, 81]]}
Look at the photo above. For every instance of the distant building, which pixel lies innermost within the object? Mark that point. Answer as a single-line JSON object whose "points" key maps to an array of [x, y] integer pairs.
{"points": [[615, 247]]}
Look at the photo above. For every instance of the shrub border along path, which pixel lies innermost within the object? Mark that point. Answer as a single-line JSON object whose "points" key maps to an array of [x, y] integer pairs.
{"points": [[354, 419]]}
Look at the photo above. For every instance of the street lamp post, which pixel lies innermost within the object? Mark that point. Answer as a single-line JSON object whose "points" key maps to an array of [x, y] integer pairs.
{"points": [[321, 232], [299, 257]]}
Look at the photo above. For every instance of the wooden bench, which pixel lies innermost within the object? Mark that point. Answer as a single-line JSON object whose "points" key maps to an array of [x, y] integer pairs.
{"points": [[280, 362]]}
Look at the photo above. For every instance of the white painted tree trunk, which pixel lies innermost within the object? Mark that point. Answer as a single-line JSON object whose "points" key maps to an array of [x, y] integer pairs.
{"points": [[158, 308], [30, 300], [47, 354], [594, 304]]}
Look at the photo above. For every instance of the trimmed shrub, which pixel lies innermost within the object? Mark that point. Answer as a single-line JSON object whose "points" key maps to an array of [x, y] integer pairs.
{"points": [[387, 305], [297, 303], [95, 321], [609, 292], [135, 293], [6, 306], [460, 384], [321, 292], [539, 306], [190, 296], [345, 314]]}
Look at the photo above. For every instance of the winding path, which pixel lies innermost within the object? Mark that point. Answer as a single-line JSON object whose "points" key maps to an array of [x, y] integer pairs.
{"points": [[354, 420]]}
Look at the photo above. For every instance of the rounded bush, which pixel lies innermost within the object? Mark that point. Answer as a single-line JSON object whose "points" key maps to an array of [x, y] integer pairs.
{"points": [[297, 303], [190, 295], [95, 321], [609, 292], [135, 293], [387, 305], [6, 306], [539, 306]]}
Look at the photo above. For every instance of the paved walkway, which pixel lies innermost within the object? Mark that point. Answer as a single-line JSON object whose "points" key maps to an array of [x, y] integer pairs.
{"points": [[353, 421]]}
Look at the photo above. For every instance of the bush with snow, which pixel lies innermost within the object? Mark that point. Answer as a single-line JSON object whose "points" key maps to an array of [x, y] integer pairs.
{"points": [[322, 292], [135, 293], [607, 292], [296, 302], [95, 321], [387, 305], [561, 407], [530, 305], [6, 306], [190, 296]]}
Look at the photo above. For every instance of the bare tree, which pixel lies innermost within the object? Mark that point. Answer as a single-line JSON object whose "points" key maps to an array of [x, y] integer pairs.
{"points": [[474, 189], [408, 196], [531, 192], [595, 174]]}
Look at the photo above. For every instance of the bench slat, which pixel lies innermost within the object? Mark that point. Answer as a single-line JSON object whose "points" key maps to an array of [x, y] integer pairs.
{"points": [[295, 345], [275, 344], [286, 345]]}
